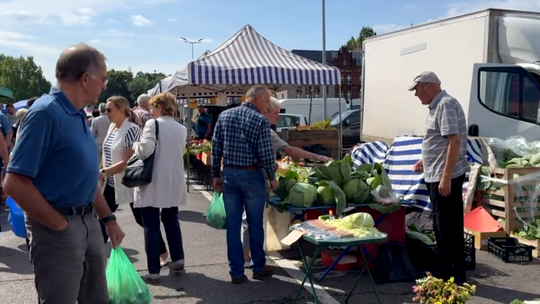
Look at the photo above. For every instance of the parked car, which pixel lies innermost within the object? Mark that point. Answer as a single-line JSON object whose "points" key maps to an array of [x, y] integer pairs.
{"points": [[350, 121], [290, 121]]}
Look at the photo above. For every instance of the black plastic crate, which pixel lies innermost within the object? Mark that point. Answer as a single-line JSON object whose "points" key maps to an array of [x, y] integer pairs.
{"points": [[427, 257], [509, 250], [470, 252]]}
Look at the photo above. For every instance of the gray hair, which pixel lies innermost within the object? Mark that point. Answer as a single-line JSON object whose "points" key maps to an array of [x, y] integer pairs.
{"points": [[77, 60], [256, 90], [274, 102], [20, 113], [102, 108], [143, 100]]}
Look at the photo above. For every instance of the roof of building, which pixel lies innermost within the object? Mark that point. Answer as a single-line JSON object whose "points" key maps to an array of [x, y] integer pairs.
{"points": [[316, 55]]}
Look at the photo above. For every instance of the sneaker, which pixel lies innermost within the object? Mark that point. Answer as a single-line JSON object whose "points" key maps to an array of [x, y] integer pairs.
{"points": [[265, 273], [239, 280], [177, 267], [151, 278], [163, 259]]}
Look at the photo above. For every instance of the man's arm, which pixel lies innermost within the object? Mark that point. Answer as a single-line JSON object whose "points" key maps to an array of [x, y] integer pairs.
{"points": [[37, 137], [265, 151], [8, 130], [448, 124], [217, 150]]}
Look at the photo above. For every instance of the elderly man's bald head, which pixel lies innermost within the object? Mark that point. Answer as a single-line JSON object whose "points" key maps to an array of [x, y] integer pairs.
{"points": [[77, 60], [143, 100]]}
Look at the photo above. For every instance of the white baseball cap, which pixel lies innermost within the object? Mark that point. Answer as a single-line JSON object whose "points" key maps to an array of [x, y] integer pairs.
{"points": [[424, 77]]}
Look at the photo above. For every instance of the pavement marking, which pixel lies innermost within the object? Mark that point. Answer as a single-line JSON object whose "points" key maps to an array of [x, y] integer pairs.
{"points": [[288, 265]]}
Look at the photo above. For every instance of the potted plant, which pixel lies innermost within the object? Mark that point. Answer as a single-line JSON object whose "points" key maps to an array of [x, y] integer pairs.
{"points": [[431, 290]]}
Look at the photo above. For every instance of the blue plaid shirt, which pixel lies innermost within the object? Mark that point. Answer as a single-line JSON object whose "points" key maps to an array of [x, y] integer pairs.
{"points": [[242, 138]]}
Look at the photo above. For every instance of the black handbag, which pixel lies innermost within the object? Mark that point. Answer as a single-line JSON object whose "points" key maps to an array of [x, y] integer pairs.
{"points": [[139, 172]]}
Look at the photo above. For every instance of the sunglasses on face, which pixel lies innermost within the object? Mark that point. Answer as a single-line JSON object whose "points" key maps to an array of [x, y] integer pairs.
{"points": [[109, 110]]}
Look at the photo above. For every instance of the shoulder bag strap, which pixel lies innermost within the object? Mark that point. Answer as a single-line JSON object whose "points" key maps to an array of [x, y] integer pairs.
{"points": [[157, 130]]}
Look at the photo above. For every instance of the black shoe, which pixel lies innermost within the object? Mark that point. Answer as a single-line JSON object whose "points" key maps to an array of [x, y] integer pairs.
{"points": [[239, 280]]}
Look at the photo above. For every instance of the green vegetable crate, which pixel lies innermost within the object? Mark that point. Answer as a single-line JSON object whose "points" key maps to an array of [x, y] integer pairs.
{"points": [[500, 203]]}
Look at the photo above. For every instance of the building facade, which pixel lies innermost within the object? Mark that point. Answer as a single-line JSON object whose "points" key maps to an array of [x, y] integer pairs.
{"points": [[350, 65]]}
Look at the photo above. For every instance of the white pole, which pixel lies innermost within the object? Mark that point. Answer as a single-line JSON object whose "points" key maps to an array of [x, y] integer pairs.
{"points": [[325, 105]]}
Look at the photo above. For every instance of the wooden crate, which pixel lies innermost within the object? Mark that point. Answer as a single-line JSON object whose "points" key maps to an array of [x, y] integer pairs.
{"points": [[501, 203], [206, 158], [534, 243], [300, 139]]}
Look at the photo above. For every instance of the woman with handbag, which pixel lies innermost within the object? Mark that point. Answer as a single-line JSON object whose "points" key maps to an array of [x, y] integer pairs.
{"points": [[164, 140], [117, 149]]}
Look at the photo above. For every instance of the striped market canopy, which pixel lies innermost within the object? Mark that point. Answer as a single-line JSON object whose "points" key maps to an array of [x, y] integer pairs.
{"points": [[248, 58]]}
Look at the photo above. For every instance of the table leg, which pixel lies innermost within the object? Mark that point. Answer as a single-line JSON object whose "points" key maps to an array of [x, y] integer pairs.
{"points": [[345, 251], [366, 267], [307, 267]]}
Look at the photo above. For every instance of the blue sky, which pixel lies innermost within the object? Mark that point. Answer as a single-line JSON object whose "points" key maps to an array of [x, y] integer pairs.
{"points": [[143, 34]]}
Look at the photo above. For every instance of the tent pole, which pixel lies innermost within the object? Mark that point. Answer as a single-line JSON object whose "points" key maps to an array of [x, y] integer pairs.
{"points": [[188, 126], [310, 105], [340, 139]]}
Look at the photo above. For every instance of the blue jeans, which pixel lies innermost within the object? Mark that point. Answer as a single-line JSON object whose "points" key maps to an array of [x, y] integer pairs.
{"points": [[152, 234], [244, 189]]}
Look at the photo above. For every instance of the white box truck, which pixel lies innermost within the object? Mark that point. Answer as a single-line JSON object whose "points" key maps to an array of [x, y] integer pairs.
{"points": [[488, 60]]}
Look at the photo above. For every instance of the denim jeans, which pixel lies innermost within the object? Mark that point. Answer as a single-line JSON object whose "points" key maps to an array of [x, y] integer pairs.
{"points": [[244, 190], [152, 234]]}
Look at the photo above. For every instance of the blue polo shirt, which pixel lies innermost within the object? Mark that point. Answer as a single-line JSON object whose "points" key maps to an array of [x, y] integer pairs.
{"points": [[57, 150]]}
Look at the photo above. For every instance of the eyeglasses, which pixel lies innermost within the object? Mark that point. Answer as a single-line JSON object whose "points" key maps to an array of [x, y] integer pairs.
{"points": [[109, 110], [103, 79]]}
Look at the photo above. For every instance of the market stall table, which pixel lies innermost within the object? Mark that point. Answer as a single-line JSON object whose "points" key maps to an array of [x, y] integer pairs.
{"points": [[339, 242]]}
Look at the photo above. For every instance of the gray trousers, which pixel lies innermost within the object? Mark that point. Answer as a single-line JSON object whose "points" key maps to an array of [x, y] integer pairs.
{"points": [[69, 265]]}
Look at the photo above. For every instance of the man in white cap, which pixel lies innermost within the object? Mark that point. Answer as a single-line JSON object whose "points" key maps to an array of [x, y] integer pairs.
{"points": [[444, 164]]}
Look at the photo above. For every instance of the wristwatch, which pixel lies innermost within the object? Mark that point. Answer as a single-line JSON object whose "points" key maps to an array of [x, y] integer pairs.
{"points": [[109, 218]]}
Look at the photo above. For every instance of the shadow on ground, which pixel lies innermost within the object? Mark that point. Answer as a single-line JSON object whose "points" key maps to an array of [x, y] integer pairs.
{"points": [[191, 216]]}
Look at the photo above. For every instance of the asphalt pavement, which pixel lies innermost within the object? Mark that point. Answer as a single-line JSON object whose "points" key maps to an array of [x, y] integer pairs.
{"points": [[207, 281]]}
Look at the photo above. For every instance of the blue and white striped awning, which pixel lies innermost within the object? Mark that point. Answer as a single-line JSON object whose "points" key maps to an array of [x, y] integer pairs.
{"points": [[248, 58], [398, 161]]}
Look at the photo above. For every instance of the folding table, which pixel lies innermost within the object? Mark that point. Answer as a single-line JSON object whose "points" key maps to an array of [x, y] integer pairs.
{"points": [[339, 242]]}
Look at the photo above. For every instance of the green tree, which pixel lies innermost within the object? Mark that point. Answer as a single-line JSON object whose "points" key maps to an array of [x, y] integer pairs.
{"points": [[142, 82], [23, 76], [365, 32], [118, 85]]}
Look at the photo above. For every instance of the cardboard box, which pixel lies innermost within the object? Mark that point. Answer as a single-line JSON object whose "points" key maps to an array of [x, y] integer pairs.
{"points": [[481, 238], [206, 158]]}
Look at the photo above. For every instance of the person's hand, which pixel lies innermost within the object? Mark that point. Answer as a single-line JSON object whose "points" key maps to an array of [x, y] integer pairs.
{"points": [[273, 184], [115, 233], [218, 184], [418, 167], [61, 226], [323, 159], [445, 186]]}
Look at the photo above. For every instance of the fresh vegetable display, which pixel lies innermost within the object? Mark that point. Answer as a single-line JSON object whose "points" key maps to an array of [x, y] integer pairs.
{"points": [[336, 183], [199, 146], [431, 290], [361, 224], [515, 152], [531, 231]]}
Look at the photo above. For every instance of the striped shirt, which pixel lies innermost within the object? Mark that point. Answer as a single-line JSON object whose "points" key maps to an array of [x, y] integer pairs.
{"points": [[133, 135], [242, 138], [446, 117]]}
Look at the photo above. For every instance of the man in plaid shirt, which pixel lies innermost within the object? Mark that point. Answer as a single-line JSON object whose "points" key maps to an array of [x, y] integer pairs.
{"points": [[242, 140]]}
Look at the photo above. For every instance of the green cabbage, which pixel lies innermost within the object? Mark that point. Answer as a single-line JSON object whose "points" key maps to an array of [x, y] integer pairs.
{"points": [[325, 195], [356, 191], [301, 194], [284, 186], [357, 220], [337, 196], [337, 171]]}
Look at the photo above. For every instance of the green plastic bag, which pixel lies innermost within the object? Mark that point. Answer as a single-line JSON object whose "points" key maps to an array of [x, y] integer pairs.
{"points": [[216, 217], [124, 283]]}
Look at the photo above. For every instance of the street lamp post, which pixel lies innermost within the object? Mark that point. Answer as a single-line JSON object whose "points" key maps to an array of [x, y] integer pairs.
{"points": [[325, 105], [192, 42]]}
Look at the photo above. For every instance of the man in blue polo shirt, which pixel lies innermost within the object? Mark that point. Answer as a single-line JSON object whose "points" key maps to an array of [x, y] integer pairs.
{"points": [[53, 176]]}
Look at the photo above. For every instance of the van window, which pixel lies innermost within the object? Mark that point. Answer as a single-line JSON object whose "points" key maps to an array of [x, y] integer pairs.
{"points": [[353, 119], [285, 121], [510, 93]]}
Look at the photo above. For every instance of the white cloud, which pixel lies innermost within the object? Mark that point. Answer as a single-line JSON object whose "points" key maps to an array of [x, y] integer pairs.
{"points": [[139, 20], [23, 12], [459, 8], [385, 28]]}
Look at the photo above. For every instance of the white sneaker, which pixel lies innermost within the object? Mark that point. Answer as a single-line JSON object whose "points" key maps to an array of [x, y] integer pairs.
{"points": [[177, 267], [151, 278]]}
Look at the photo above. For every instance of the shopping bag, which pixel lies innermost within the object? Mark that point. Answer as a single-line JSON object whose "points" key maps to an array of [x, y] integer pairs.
{"points": [[16, 218], [216, 217], [125, 285]]}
